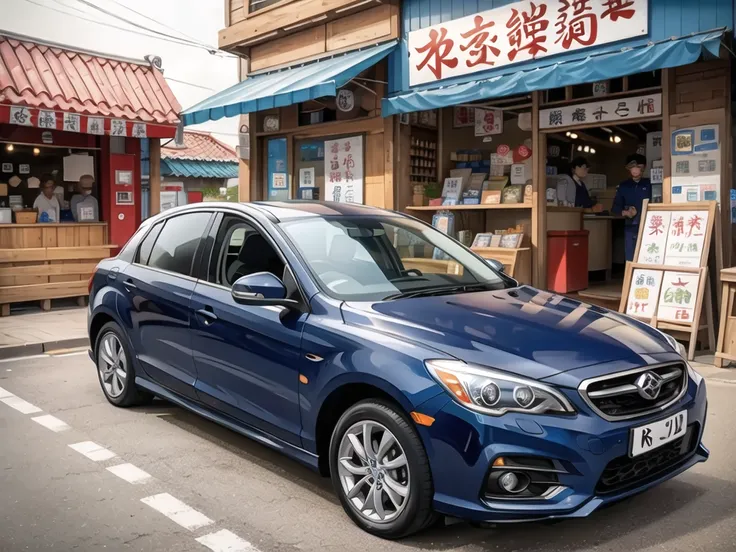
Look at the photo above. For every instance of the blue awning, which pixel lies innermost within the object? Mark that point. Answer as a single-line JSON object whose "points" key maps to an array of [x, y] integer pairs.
{"points": [[662, 55], [287, 86], [189, 168]]}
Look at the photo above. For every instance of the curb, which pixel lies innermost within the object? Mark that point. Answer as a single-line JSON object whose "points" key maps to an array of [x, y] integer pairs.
{"points": [[31, 349]]}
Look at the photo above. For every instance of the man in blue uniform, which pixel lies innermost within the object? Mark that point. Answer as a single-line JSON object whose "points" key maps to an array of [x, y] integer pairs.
{"points": [[630, 196]]}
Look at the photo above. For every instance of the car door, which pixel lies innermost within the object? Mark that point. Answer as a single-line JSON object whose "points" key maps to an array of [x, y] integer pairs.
{"points": [[247, 357], [157, 288]]}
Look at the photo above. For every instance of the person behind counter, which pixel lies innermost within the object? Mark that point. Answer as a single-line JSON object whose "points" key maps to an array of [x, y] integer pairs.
{"points": [[571, 189], [84, 206], [46, 202], [630, 196]]}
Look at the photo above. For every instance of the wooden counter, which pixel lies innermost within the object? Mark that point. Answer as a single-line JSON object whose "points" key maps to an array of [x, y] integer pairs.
{"points": [[600, 243], [564, 218], [44, 261]]}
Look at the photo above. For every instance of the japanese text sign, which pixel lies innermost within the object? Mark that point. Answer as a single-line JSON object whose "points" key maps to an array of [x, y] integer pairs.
{"points": [[678, 297], [520, 32], [654, 238], [344, 170], [686, 238], [488, 122], [602, 111], [644, 293]]}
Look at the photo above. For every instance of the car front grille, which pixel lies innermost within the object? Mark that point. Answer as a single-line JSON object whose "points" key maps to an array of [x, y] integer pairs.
{"points": [[629, 394], [623, 473]]}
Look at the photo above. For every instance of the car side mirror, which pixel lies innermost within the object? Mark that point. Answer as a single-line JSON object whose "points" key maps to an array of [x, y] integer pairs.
{"points": [[262, 289], [496, 265]]}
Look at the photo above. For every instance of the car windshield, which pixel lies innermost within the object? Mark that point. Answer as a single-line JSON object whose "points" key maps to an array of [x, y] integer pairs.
{"points": [[382, 258]]}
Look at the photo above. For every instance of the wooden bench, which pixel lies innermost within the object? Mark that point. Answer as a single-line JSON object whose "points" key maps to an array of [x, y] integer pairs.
{"points": [[726, 348], [45, 273]]}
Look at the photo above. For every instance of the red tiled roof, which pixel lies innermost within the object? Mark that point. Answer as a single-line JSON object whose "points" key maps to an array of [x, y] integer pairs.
{"points": [[200, 146], [50, 77]]}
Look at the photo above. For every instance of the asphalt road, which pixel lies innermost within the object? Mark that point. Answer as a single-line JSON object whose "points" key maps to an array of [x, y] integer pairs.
{"points": [[196, 486]]}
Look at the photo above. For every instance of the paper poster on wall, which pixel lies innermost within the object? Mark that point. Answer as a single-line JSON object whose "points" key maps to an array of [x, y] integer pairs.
{"points": [[677, 297], [344, 170], [24, 169], [644, 292], [7, 167], [654, 238], [682, 142], [488, 122], [306, 177], [451, 190], [279, 181], [686, 238], [518, 173], [75, 166]]}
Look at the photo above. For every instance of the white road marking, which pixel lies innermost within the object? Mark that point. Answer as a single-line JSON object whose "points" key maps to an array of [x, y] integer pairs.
{"points": [[177, 511], [51, 422], [20, 405], [130, 473], [4, 393], [93, 451], [225, 541]]}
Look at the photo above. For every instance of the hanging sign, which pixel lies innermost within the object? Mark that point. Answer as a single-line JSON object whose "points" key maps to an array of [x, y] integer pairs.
{"points": [[72, 122], [345, 100], [518, 32], [20, 116], [344, 170], [488, 122], [620, 110]]}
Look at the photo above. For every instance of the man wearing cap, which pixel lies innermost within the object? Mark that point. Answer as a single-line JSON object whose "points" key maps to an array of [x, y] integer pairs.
{"points": [[630, 196], [84, 205]]}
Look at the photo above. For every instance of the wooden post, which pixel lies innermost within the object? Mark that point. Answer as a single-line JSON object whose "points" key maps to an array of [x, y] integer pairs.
{"points": [[154, 195], [539, 199], [668, 79]]}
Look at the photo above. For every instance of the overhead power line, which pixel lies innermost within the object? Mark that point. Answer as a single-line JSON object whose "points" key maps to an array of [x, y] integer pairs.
{"points": [[173, 40], [143, 27]]}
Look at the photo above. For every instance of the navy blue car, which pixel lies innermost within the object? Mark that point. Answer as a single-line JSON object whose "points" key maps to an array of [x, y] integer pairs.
{"points": [[376, 349]]}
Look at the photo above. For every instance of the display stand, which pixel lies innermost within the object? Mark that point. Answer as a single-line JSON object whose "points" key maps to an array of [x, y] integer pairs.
{"points": [[669, 283], [517, 262]]}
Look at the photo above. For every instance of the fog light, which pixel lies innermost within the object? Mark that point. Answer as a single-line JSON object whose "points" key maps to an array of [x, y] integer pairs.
{"points": [[513, 483], [524, 396]]}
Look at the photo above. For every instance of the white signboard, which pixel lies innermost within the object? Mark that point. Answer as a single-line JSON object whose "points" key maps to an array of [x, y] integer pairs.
{"points": [[654, 238], [279, 181], [306, 177], [20, 116], [643, 293], [344, 170], [623, 109], [686, 238], [46, 119], [488, 122], [95, 125], [677, 297], [118, 128], [72, 122], [520, 32]]}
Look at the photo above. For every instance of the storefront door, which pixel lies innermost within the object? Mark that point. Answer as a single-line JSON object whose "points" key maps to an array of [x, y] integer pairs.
{"points": [[278, 170]]}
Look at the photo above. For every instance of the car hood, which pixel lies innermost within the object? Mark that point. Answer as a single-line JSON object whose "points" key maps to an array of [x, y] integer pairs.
{"points": [[523, 330]]}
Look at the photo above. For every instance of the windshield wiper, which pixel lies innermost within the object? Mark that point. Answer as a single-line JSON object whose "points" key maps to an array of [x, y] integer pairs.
{"points": [[440, 290]]}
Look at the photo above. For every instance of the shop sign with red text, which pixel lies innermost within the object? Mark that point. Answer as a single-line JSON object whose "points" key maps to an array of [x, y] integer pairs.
{"points": [[520, 32]]}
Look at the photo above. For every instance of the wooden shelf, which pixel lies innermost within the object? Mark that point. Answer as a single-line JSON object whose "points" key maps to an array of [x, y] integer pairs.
{"points": [[469, 207]]}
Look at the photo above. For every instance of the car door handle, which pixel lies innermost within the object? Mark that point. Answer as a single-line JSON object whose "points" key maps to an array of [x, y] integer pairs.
{"points": [[208, 315], [129, 285]]}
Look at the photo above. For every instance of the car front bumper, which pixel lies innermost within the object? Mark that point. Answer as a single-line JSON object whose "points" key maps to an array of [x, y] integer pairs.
{"points": [[462, 445]]}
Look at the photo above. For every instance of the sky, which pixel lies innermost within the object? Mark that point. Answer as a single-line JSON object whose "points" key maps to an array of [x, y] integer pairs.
{"points": [[63, 21]]}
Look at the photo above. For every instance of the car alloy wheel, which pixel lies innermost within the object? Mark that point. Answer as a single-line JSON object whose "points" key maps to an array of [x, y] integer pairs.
{"points": [[374, 471], [112, 365]]}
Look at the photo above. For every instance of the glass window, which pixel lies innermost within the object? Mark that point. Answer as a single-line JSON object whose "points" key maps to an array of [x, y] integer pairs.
{"points": [[377, 258], [241, 250], [177, 243], [145, 251]]}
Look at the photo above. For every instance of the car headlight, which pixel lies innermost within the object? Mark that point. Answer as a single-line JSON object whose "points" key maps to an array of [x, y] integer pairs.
{"points": [[496, 393], [682, 351]]}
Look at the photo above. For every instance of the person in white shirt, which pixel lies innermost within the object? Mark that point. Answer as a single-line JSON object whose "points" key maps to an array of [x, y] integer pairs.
{"points": [[84, 206], [46, 202]]}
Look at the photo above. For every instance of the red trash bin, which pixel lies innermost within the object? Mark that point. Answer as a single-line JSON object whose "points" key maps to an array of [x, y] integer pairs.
{"points": [[567, 260]]}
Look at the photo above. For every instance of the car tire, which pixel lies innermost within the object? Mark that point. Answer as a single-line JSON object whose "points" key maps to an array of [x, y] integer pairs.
{"points": [[115, 369], [402, 516]]}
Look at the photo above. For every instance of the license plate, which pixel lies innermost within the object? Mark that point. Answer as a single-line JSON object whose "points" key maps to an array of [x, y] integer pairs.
{"points": [[656, 434]]}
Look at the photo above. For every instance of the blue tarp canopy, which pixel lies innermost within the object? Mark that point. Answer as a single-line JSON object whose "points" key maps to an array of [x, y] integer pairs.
{"points": [[189, 168], [662, 55], [287, 86]]}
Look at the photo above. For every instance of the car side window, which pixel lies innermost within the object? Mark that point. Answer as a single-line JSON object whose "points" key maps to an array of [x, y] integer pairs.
{"points": [[177, 242], [239, 250], [144, 252]]}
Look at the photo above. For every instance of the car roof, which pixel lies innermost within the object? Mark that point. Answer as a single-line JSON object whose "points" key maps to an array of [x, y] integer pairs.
{"points": [[296, 209], [278, 211]]}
